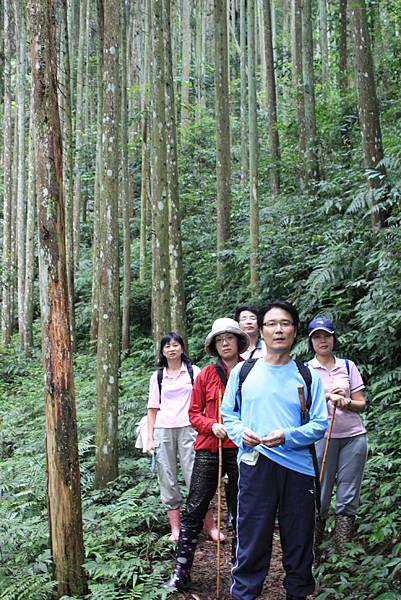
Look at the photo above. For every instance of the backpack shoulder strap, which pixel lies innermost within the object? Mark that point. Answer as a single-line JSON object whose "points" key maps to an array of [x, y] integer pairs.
{"points": [[245, 369], [307, 377], [159, 381], [221, 372], [190, 372]]}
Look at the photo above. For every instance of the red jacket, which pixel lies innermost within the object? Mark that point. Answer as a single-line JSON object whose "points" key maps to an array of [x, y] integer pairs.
{"points": [[203, 409]]}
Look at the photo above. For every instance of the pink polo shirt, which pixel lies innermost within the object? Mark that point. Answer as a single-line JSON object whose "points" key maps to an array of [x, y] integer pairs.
{"points": [[347, 423], [176, 395]]}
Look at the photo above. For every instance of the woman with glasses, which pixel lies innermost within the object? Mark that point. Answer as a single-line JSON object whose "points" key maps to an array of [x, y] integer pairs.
{"points": [[347, 449], [226, 341]]}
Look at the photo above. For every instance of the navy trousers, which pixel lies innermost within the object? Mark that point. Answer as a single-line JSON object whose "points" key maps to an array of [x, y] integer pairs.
{"points": [[262, 489]]}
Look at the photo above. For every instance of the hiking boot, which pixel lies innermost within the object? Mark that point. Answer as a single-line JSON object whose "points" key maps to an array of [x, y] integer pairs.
{"points": [[181, 578], [289, 597], [174, 520], [343, 533]]}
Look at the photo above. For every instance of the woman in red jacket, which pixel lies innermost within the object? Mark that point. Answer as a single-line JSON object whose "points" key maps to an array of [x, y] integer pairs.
{"points": [[226, 341]]}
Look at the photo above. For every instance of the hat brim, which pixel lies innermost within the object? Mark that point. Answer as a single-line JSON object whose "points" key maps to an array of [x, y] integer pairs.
{"points": [[331, 331], [242, 336]]}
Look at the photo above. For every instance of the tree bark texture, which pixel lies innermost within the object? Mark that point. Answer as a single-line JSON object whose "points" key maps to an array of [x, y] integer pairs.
{"points": [[311, 145], [63, 479], [244, 95], [160, 243], [342, 49], [271, 100], [177, 295], [186, 61], [223, 159], [296, 18], [324, 40], [368, 108], [253, 147], [108, 341], [6, 310]]}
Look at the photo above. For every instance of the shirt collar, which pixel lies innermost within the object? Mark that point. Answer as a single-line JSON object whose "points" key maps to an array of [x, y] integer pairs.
{"points": [[317, 365]]}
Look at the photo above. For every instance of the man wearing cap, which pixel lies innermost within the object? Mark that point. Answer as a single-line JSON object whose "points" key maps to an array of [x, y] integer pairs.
{"points": [[275, 464], [226, 341], [247, 317]]}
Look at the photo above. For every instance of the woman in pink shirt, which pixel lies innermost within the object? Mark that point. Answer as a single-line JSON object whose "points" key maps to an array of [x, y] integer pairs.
{"points": [[170, 434], [347, 451]]}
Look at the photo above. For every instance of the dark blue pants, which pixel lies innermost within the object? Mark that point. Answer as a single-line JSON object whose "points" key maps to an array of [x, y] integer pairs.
{"points": [[264, 488]]}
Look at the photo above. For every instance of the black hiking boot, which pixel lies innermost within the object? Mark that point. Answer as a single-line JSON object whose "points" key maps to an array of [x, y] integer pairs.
{"points": [[319, 534], [289, 597], [181, 578]]}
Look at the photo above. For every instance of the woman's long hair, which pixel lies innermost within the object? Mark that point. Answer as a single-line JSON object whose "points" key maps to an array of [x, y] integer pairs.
{"points": [[167, 337]]}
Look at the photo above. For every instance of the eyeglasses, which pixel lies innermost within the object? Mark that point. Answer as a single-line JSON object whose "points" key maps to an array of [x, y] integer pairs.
{"points": [[250, 318], [275, 324], [220, 339]]}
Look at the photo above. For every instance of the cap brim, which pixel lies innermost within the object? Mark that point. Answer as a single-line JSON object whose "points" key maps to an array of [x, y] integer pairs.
{"points": [[331, 331]]}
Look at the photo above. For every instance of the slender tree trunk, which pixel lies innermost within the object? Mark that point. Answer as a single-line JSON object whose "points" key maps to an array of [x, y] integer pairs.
{"points": [[98, 174], [125, 197], [108, 343], [68, 165], [262, 53], [63, 478], [21, 201], [186, 61], [160, 245], [324, 41], [223, 162], [271, 100], [253, 147], [30, 238], [311, 145], [342, 49], [144, 147], [296, 18], [244, 95], [6, 312], [79, 132], [368, 108], [178, 321]]}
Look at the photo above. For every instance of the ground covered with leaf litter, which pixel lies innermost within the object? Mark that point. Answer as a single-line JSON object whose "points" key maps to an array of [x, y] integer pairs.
{"points": [[204, 571]]}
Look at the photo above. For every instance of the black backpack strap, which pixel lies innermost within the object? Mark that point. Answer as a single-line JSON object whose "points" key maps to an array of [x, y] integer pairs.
{"points": [[246, 367], [190, 372], [307, 377], [258, 346], [221, 372], [159, 381]]}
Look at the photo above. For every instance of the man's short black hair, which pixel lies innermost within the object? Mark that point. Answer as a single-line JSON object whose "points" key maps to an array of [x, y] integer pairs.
{"points": [[241, 307], [284, 305]]}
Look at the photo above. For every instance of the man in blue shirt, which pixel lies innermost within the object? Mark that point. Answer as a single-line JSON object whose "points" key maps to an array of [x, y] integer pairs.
{"points": [[275, 464]]}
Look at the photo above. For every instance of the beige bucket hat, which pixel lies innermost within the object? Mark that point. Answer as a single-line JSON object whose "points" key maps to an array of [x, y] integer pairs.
{"points": [[226, 325]]}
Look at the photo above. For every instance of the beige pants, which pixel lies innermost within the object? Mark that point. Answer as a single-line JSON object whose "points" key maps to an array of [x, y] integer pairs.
{"points": [[172, 444]]}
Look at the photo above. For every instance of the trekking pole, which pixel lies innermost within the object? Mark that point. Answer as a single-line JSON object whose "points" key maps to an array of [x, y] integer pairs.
{"points": [[220, 470], [326, 447]]}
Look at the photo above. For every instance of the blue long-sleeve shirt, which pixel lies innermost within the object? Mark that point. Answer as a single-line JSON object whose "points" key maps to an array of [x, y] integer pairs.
{"points": [[270, 401]]}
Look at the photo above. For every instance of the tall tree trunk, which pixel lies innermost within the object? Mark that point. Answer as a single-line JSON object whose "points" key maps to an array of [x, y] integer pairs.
{"points": [[21, 201], [79, 131], [223, 159], [368, 108], [144, 146], [108, 342], [30, 238], [63, 478], [98, 174], [253, 147], [271, 100], [296, 18], [68, 164], [311, 146], [160, 243], [6, 312], [186, 61], [124, 195], [342, 49], [177, 310], [244, 95], [324, 41]]}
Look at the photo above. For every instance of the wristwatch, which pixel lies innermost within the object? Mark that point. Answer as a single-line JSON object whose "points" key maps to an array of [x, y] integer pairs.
{"points": [[349, 402]]}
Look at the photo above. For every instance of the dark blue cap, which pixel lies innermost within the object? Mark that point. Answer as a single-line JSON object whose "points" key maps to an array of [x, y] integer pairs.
{"points": [[320, 323]]}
